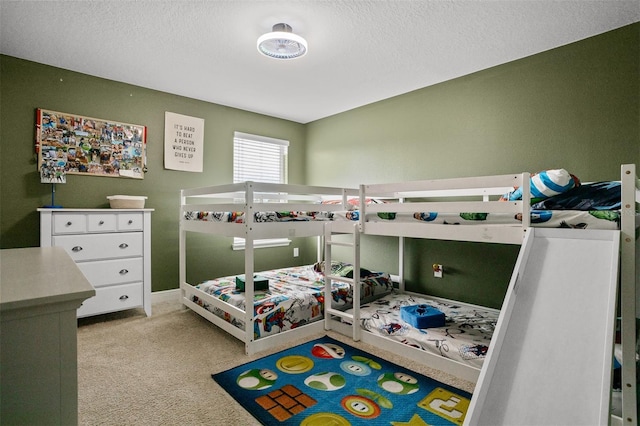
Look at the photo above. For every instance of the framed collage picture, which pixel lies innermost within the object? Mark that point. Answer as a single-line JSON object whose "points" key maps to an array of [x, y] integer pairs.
{"points": [[74, 144]]}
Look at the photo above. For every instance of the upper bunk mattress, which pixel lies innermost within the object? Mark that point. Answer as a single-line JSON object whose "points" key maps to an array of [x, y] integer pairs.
{"points": [[263, 217], [589, 206], [594, 219]]}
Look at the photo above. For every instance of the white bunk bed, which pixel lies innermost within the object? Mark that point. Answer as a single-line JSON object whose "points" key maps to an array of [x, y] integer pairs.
{"points": [[256, 211], [480, 194]]}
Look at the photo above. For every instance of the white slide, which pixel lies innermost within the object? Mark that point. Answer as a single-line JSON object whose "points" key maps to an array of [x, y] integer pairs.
{"points": [[550, 359]]}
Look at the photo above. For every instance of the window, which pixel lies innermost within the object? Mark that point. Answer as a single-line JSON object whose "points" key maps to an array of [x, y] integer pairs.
{"points": [[259, 159]]}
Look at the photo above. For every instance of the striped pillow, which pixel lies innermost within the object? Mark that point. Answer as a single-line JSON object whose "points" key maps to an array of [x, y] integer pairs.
{"points": [[545, 184]]}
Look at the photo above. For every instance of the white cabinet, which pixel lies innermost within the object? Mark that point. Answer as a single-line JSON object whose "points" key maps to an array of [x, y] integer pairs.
{"points": [[40, 293], [112, 247]]}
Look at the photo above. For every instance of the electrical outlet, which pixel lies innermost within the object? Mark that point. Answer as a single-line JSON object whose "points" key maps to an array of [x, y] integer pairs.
{"points": [[296, 252], [437, 270]]}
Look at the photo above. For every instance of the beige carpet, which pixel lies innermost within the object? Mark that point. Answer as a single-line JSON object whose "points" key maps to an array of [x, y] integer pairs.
{"points": [[134, 370]]}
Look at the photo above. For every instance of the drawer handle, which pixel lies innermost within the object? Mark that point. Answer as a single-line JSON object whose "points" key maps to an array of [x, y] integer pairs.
{"points": [[123, 245], [123, 271], [101, 222], [76, 249], [130, 221], [69, 223], [124, 297]]}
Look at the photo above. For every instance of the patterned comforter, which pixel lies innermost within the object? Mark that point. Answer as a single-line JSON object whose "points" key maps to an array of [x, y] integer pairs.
{"points": [[295, 296], [593, 205], [465, 336], [594, 219], [263, 217]]}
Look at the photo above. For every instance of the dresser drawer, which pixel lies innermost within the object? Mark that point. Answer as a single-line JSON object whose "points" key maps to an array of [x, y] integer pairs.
{"points": [[114, 298], [130, 222], [101, 222], [101, 246], [69, 223], [117, 271]]}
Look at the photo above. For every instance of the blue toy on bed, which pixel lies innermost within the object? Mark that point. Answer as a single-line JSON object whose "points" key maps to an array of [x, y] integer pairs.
{"points": [[422, 316]]}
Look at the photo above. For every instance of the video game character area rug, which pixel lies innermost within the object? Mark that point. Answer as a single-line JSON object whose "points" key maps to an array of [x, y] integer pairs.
{"points": [[326, 382]]}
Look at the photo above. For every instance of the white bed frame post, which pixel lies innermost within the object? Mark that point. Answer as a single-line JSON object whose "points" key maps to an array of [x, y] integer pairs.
{"points": [[629, 281], [327, 280], [363, 210], [182, 245], [401, 259], [401, 264], [249, 266], [356, 285], [319, 248], [526, 202]]}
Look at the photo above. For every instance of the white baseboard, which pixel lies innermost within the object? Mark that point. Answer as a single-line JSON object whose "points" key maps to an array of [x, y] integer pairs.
{"points": [[165, 296]]}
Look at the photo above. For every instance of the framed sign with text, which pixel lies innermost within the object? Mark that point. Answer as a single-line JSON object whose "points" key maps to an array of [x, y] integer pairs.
{"points": [[83, 145], [183, 142]]}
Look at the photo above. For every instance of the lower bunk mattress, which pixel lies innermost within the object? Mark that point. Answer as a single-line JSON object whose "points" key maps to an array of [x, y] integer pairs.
{"points": [[295, 296], [465, 336]]}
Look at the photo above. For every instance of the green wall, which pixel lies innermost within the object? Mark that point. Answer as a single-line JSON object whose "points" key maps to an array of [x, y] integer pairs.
{"points": [[575, 107], [26, 86]]}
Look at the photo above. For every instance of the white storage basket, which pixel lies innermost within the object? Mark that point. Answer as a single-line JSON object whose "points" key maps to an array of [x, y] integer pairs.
{"points": [[126, 201]]}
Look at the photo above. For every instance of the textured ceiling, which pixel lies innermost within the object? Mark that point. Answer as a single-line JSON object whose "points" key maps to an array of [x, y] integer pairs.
{"points": [[360, 51]]}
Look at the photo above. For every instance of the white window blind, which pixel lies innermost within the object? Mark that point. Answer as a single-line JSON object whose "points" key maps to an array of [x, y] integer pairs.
{"points": [[259, 159]]}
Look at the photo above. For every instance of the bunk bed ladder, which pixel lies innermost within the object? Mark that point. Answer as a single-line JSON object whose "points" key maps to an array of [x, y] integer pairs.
{"points": [[329, 312]]}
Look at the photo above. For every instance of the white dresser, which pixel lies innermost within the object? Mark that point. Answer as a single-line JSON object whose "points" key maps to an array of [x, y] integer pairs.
{"points": [[112, 247]]}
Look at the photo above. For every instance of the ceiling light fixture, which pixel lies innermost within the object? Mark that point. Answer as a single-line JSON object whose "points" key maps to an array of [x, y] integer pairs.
{"points": [[282, 43]]}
